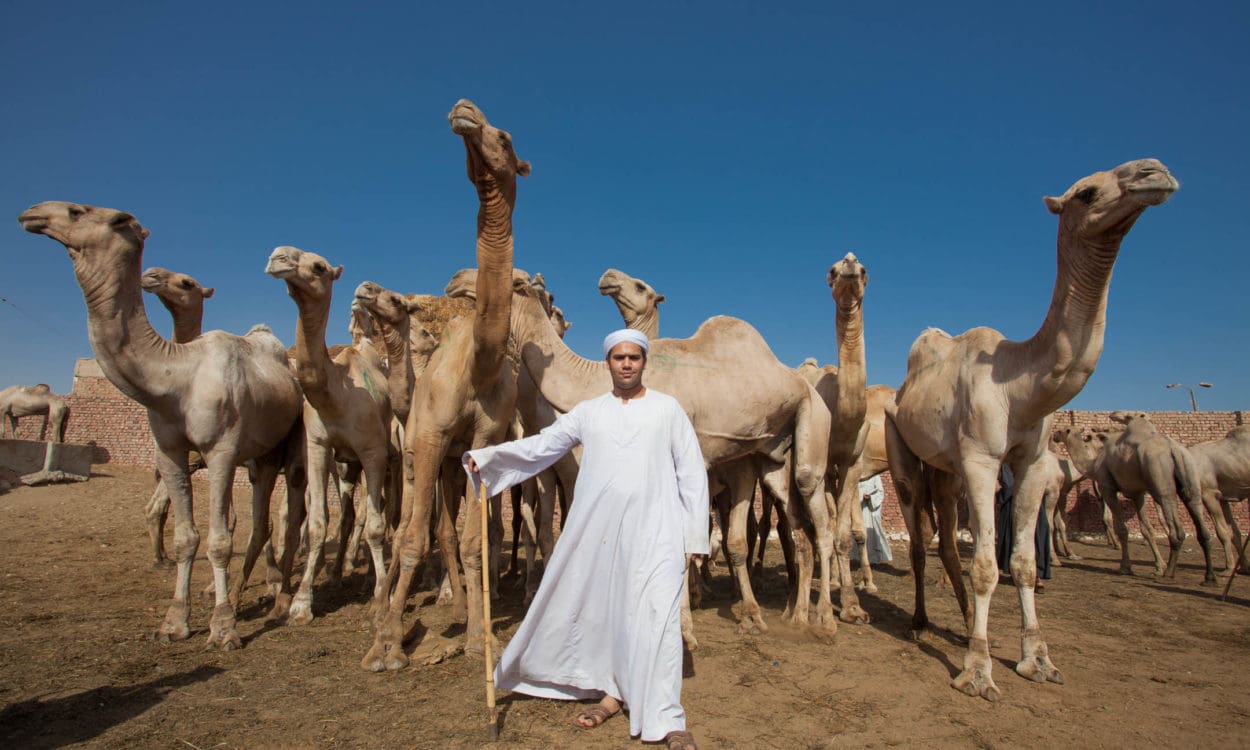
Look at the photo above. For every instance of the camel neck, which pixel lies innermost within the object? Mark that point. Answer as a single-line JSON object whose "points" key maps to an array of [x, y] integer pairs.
{"points": [[648, 323], [852, 370], [188, 322], [132, 354], [563, 378], [312, 360], [494, 284], [399, 373], [1055, 363]]}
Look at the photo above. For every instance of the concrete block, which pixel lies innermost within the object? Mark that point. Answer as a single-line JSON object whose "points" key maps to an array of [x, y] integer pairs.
{"points": [[30, 456]]}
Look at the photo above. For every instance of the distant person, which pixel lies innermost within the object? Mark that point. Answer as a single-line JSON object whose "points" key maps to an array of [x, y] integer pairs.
{"points": [[1004, 529], [872, 497]]}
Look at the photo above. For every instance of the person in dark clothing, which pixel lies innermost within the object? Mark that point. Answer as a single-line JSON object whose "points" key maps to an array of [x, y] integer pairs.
{"points": [[1006, 536]]}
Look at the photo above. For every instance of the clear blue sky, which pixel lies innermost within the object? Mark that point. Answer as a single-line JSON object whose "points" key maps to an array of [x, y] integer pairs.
{"points": [[724, 152]]}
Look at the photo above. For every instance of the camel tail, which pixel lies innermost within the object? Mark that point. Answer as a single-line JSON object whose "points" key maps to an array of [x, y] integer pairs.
{"points": [[1185, 475]]}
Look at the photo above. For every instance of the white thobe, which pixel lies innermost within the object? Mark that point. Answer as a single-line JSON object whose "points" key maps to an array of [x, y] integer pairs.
{"points": [[874, 531], [606, 617]]}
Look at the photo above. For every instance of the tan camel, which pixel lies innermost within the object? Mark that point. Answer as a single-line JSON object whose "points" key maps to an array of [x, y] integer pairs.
{"points": [[347, 412], [1224, 471], [1084, 451], [1141, 460], [637, 301], [232, 398], [19, 401], [972, 402], [465, 400]]}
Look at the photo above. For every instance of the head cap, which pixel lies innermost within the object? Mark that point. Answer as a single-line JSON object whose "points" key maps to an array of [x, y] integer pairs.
{"points": [[625, 334]]}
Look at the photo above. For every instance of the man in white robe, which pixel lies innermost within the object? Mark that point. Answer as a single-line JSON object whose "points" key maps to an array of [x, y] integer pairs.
{"points": [[872, 496], [605, 622]]}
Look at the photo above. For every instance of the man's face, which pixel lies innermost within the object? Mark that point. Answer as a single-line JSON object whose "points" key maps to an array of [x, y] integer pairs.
{"points": [[626, 363]]}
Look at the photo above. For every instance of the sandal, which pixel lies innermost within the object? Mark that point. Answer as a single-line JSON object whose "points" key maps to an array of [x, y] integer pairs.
{"points": [[680, 740], [596, 715]]}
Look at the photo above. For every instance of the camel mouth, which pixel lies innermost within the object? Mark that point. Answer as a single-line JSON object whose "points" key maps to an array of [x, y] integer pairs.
{"points": [[1152, 196], [464, 126], [33, 221], [280, 263], [365, 294], [609, 289]]}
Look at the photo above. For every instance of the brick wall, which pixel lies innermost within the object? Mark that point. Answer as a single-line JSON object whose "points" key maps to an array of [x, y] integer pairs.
{"points": [[99, 413]]}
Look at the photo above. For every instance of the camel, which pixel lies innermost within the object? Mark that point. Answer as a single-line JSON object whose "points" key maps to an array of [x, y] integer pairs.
{"points": [[1224, 473], [232, 398], [465, 400], [1139, 460], [973, 401], [18, 401], [1084, 451], [637, 301], [347, 412]]}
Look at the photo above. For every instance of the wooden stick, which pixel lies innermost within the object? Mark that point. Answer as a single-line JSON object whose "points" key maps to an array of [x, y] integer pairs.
{"points": [[492, 714], [1236, 567]]}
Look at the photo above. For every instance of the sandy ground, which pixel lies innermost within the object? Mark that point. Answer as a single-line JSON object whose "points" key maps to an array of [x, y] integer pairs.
{"points": [[1147, 662]]}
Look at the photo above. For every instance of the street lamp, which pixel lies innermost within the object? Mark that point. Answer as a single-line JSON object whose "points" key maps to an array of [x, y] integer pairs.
{"points": [[1192, 401]]}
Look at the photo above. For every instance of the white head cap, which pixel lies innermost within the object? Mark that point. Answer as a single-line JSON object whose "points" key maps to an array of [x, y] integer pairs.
{"points": [[625, 334]]}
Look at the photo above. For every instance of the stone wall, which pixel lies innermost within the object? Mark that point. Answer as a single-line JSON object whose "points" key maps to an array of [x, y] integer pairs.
{"points": [[118, 427]]}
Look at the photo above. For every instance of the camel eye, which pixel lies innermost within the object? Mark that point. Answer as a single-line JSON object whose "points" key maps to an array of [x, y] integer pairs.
{"points": [[319, 267], [186, 284], [75, 212], [1087, 195]]}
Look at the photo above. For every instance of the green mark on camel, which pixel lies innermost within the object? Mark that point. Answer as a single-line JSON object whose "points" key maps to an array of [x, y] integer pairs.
{"points": [[369, 386], [671, 362]]}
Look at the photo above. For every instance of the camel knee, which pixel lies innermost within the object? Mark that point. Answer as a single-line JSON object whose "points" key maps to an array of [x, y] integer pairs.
{"points": [[375, 529], [1023, 572], [220, 545], [984, 574], [186, 543]]}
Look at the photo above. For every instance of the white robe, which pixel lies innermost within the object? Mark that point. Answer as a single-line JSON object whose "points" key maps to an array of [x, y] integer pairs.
{"points": [[606, 617], [874, 529]]}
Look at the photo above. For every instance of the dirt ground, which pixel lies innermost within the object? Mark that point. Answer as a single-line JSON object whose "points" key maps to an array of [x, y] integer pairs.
{"points": [[1146, 662]]}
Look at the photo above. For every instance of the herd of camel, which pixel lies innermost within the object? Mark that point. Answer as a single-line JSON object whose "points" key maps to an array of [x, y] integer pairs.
{"points": [[400, 406]]}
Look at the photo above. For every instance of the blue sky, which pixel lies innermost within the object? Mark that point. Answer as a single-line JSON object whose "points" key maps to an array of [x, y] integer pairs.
{"points": [[727, 153]]}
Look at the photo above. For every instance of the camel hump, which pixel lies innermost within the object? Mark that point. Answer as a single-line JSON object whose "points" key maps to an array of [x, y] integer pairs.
{"points": [[932, 344]]}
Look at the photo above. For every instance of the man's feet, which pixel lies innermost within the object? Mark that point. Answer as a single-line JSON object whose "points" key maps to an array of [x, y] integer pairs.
{"points": [[598, 713], [681, 740]]}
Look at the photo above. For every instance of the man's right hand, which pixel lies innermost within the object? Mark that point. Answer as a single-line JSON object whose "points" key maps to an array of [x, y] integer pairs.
{"points": [[472, 465]]}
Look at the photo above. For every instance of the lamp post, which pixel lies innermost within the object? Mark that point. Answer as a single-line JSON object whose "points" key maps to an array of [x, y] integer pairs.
{"points": [[1192, 401]]}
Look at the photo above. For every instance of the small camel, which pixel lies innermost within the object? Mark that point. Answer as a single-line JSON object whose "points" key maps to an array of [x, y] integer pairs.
{"points": [[232, 398], [971, 402], [1084, 452], [1224, 472], [18, 401]]}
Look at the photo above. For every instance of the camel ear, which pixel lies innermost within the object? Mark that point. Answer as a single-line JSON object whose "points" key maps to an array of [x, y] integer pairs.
{"points": [[1056, 438], [412, 306], [209, 292], [144, 233], [338, 271], [523, 168], [659, 298], [1054, 205]]}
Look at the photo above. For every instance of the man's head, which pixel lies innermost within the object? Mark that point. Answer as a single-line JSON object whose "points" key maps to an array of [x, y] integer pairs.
{"points": [[626, 354]]}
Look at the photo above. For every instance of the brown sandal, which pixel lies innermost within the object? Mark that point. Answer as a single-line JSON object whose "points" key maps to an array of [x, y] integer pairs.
{"points": [[596, 714], [680, 740]]}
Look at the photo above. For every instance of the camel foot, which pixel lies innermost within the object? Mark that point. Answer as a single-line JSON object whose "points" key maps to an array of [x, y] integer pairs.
{"points": [[1210, 581], [1126, 570], [162, 563], [475, 648], [374, 660], [301, 611], [1073, 556], [221, 632], [868, 587], [438, 650], [855, 615], [797, 617], [976, 682], [752, 624], [1036, 664], [825, 621], [174, 627], [281, 606]]}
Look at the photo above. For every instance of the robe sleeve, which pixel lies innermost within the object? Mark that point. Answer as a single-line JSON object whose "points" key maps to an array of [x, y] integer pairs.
{"points": [[874, 490], [507, 464], [691, 484]]}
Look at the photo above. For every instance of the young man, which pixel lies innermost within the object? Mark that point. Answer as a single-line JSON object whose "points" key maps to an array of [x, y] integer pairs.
{"points": [[605, 622]]}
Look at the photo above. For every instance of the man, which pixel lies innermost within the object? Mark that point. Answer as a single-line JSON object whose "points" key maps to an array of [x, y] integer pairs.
{"points": [[605, 622], [872, 495]]}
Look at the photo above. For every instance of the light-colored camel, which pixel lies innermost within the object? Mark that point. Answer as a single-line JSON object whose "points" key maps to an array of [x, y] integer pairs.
{"points": [[972, 402], [737, 417], [347, 412], [232, 398], [1224, 471], [19, 401], [465, 400], [637, 301], [1084, 451], [1141, 460]]}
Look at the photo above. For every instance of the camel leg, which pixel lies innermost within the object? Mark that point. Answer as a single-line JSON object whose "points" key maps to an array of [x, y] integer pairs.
{"points": [[1164, 494], [1050, 501], [979, 481], [1226, 507], [1059, 526], [155, 514], [221, 627], [471, 542], [1223, 533], [798, 601], [348, 474], [946, 490], [451, 591], [515, 498], [548, 488], [1035, 663], [846, 506], [1194, 505], [264, 475], [914, 498], [1108, 521], [1111, 504], [741, 488], [763, 529], [319, 457], [529, 534], [172, 466]]}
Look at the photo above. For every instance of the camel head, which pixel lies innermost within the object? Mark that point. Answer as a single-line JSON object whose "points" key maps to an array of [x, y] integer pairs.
{"points": [[557, 319], [390, 308], [848, 279], [1105, 204], [1127, 417], [308, 276], [464, 283], [177, 291], [490, 160], [633, 297], [98, 239], [361, 325]]}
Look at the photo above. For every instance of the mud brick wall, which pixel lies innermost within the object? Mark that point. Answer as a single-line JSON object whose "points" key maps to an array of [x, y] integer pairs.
{"points": [[118, 427]]}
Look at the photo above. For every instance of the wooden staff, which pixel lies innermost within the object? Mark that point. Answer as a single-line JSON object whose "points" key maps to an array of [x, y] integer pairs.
{"points": [[492, 713]]}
